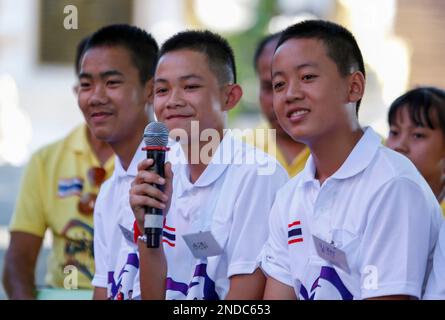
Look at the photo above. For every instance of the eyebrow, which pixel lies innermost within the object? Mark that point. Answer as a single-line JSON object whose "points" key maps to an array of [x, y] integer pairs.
{"points": [[103, 75], [182, 78], [300, 66]]}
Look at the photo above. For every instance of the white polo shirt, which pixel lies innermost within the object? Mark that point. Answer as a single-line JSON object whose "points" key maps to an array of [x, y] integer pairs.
{"points": [[376, 208], [116, 256], [232, 199], [435, 289]]}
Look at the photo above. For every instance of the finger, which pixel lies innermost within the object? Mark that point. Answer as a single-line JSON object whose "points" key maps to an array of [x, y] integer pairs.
{"points": [[144, 177], [149, 191], [145, 164], [168, 179], [138, 201]]}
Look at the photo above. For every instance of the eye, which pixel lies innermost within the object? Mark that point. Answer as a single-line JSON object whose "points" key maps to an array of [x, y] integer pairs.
{"points": [[192, 86], [84, 84], [113, 83], [161, 91], [308, 77], [418, 135], [278, 85], [393, 133]]}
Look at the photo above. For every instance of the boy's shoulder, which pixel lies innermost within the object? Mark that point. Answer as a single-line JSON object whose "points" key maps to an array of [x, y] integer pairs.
{"points": [[391, 165]]}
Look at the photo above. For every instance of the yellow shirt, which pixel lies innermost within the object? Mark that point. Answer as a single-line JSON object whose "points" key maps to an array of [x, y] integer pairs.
{"points": [[264, 141], [51, 186]]}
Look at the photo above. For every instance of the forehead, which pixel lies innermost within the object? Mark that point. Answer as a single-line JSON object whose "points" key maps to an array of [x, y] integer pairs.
{"points": [[106, 57], [268, 50], [301, 51], [183, 62]]}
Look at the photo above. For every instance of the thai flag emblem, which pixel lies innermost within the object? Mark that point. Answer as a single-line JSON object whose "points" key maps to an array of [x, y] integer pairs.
{"points": [[169, 236], [294, 232], [69, 187]]}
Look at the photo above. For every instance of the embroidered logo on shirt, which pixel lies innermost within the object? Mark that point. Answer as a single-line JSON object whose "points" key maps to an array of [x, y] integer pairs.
{"points": [[122, 287], [70, 187], [201, 287], [294, 232], [327, 286], [169, 236]]}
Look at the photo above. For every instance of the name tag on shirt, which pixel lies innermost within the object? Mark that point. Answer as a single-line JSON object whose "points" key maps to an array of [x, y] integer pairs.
{"points": [[331, 254], [202, 244]]}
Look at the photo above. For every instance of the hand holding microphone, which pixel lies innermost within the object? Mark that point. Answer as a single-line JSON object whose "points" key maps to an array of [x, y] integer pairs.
{"points": [[150, 192]]}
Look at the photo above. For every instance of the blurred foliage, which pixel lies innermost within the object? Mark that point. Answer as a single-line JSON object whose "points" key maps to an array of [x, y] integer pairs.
{"points": [[244, 45]]}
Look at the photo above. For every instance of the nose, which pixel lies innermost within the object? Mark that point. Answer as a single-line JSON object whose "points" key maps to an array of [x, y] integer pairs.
{"points": [[175, 100], [99, 96], [294, 92]]}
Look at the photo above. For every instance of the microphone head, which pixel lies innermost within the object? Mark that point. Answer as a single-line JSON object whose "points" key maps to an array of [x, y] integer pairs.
{"points": [[156, 134]]}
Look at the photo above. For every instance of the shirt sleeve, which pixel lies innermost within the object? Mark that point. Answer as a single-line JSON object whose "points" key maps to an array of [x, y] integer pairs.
{"points": [[396, 241], [435, 289], [274, 256], [100, 247], [29, 214], [250, 220]]}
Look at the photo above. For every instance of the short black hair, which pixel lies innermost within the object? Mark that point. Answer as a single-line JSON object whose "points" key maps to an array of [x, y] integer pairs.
{"points": [[261, 45], [217, 50], [141, 45], [80, 49], [421, 104], [340, 44]]}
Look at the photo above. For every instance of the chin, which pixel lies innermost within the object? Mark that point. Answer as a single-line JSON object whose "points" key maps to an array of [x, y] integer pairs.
{"points": [[101, 134], [298, 133]]}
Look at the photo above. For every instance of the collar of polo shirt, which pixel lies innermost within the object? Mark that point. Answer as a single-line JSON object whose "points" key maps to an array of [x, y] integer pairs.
{"points": [[357, 161]]}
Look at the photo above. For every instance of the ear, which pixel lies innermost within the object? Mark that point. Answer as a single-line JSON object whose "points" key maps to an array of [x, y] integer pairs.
{"points": [[356, 86], [233, 94], [148, 91]]}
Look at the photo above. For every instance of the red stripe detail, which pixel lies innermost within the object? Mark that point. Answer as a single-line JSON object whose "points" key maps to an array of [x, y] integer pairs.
{"points": [[296, 223], [137, 232], [152, 148], [169, 243], [170, 229], [295, 240]]}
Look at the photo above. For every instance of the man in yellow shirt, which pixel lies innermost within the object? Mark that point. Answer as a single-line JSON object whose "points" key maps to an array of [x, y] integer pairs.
{"points": [[58, 192], [291, 154]]}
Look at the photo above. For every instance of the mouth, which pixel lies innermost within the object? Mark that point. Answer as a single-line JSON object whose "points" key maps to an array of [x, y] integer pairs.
{"points": [[177, 116], [98, 116], [297, 115]]}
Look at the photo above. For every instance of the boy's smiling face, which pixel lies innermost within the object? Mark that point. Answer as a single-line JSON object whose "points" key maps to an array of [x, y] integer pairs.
{"points": [[111, 96], [187, 90], [311, 97]]}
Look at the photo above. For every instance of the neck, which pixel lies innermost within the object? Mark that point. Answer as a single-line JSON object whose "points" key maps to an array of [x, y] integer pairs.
{"points": [[199, 154], [289, 147], [438, 187], [101, 149], [331, 151], [126, 148]]}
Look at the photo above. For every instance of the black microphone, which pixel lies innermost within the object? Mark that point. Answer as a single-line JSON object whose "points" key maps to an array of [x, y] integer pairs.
{"points": [[156, 140]]}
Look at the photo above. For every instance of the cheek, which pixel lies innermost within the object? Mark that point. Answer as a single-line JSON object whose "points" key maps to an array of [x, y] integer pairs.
{"points": [[266, 97], [424, 156], [82, 101], [158, 106], [390, 142], [278, 103]]}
